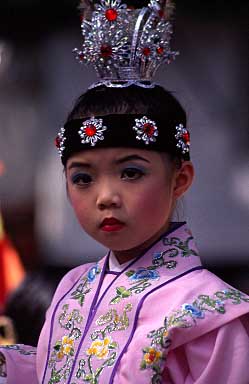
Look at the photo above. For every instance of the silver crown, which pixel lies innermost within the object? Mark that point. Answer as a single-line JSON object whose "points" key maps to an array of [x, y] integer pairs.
{"points": [[125, 44]]}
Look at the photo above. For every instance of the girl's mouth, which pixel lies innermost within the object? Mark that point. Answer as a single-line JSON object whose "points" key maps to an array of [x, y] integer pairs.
{"points": [[111, 225]]}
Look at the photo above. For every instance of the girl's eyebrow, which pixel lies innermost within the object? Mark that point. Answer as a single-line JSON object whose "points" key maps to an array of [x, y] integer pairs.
{"points": [[130, 158], [79, 164], [82, 164]]}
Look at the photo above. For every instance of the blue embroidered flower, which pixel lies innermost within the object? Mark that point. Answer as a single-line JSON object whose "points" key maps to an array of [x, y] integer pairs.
{"points": [[92, 273], [143, 273], [196, 312]]}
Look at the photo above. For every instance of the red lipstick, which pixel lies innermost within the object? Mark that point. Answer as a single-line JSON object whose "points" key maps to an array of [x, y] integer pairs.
{"points": [[111, 225]]}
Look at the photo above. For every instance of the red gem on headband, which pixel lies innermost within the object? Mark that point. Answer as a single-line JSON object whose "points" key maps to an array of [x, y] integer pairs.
{"points": [[183, 138], [59, 141], [91, 131]]}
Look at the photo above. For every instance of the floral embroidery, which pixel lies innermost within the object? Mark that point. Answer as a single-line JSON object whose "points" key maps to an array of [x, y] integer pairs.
{"points": [[85, 285], [141, 278], [102, 347], [155, 355], [143, 273], [123, 293], [64, 349], [183, 246], [158, 261], [92, 273], [19, 349], [196, 312], [151, 356], [152, 360]]}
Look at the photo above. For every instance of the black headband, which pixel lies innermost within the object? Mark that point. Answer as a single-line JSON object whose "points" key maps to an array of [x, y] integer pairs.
{"points": [[123, 130]]}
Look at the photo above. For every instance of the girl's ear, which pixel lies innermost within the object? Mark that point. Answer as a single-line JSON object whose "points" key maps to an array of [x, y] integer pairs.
{"points": [[183, 179]]}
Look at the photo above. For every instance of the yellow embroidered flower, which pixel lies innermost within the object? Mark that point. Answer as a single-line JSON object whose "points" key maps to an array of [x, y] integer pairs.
{"points": [[152, 356], [66, 347], [100, 348]]}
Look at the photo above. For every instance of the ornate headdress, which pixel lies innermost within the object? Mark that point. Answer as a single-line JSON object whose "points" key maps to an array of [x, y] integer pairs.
{"points": [[125, 45]]}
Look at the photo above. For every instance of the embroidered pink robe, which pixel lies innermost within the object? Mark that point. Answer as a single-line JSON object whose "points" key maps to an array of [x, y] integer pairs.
{"points": [[163, 319]]}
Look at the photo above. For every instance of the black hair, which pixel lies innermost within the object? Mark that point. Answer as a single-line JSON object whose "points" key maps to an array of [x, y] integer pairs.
{"points": [[103, 100]]}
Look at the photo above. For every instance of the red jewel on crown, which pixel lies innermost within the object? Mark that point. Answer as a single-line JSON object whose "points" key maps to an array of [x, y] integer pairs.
{"points": [[160, 50], [183, 138], [111, 14], [146, 130], [106, 50], [146, 51], [91, 131]]}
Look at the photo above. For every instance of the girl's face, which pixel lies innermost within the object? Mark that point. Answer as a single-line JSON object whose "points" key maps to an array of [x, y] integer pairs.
{"points": [[122, 197]]}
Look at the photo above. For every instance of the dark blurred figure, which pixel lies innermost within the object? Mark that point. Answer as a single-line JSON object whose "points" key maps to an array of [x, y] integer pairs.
{"points": [[26, 307]]}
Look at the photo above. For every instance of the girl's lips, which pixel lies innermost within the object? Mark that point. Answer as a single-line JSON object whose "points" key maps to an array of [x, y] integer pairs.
{"points": [[111, 224]]}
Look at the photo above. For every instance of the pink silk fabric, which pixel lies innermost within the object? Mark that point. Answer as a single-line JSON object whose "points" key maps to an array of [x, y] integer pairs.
{"points": [[164, 319]]}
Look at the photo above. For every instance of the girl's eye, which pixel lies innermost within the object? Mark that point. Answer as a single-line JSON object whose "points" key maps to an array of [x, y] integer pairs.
{"points": [[82, 179], [132, 173]]}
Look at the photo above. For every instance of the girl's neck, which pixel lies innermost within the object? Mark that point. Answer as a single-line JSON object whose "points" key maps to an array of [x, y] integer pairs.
{"points": [[127, 255]]}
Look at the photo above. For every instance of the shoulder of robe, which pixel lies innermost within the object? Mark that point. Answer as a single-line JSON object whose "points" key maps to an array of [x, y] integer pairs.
{"points": [[197, 304]]}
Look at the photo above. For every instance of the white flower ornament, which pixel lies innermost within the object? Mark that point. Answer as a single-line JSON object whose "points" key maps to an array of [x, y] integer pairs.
{"points": [[91, 131], [146, 130]]}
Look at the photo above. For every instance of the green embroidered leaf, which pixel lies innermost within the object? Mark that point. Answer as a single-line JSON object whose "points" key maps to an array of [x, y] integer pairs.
{"points": [[57, 346], [113, 345], [56, 378], [130, 273], [221, 309], [116, 300], [111, 361], [143, 365], [88, 378], [126, 294], [120, 290]]}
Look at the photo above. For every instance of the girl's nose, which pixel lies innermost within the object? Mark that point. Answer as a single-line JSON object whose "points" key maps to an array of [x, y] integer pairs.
{"points": [[108, 197]]}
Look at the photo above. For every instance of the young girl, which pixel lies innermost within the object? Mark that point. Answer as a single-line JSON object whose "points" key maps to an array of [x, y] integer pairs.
{"points": [[148, 312]]}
